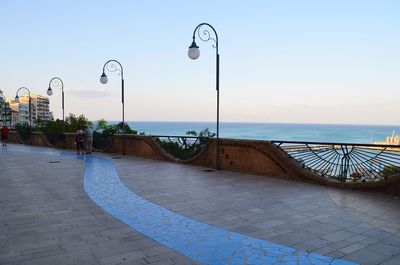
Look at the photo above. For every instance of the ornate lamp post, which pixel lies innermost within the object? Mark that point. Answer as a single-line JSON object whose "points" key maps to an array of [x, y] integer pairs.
{"points": [[57, 82], [194, 53], [17, 100], [111, 66]]}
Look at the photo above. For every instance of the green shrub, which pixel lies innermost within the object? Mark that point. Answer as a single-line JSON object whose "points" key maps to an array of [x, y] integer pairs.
{"points": [[187, 149], [53, 130], [203, 133], [103, 133], [74, 122], [24, 131], [179, 151], [389, 171], [102, 126]]}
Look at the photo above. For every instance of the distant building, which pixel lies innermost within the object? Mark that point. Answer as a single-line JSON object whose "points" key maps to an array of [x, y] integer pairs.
{"points": [[15, 113], [39, 107], [5, 113], [19, 111], [391, 140], [23, 111], [14, 117]]}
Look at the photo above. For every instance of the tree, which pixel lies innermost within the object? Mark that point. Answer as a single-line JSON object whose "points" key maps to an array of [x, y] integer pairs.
{"points": [[103, 132], [74, 122], [103, 127], [203, 133]]}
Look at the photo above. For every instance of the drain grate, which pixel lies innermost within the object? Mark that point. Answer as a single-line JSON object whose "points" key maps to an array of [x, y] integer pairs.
{"points": [[115, 157], [209, 170], [55, 161]]}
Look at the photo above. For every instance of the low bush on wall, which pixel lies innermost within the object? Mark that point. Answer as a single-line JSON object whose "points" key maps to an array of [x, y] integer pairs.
{"points": [[103, 133], [24, 131], [55, 130], [182, 147], [389, 171]]}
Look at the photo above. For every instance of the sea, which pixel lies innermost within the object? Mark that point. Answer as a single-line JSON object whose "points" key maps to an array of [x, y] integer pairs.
{"points": [[336, 133]]}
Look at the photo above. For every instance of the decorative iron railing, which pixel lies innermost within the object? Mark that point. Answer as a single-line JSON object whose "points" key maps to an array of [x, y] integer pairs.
{"points": [[182, 147], [345, 162]]}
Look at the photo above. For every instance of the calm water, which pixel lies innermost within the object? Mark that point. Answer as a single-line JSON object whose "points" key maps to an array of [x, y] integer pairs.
{"points": [[274, 131]]}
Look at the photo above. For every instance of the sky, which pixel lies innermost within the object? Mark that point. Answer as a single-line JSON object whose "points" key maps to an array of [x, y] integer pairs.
{"points": [[334, 62]]}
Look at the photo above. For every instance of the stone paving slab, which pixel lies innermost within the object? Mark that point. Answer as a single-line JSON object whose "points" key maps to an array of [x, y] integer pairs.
{"points": [[295, 214], [379, 210], [197, 240], [47, 218], [69, 229]]}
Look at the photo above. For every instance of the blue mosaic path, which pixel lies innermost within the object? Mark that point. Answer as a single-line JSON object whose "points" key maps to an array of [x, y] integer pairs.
{"points": [[198, 241]]}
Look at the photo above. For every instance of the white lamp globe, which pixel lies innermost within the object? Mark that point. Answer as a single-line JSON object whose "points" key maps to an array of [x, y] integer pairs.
{"points": [[194, 53], [16, 99], [49, 91], [103, 79]]}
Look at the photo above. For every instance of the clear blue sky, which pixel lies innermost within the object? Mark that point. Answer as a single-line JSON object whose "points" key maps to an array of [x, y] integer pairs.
{"points": [[281, 61]]}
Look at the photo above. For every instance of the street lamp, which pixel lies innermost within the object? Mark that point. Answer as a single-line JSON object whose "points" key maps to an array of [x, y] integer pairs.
{"points": [[112, 67], [194, 53], [17, 100], [57, 82]]}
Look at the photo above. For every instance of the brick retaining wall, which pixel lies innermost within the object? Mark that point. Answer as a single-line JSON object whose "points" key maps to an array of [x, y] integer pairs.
{"points": [[247, 156]]}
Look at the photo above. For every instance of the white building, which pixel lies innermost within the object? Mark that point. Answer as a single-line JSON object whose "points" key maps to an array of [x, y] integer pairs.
{"points": [[39, 109]]}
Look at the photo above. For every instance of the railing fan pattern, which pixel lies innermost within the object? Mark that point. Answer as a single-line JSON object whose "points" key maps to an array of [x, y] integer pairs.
{"points": [[345, 162], [182, 147]]}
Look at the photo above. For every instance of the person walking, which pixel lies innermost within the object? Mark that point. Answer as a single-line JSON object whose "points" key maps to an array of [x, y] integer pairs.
{"points": [[79, 140], [4, 135], [89, 139]]}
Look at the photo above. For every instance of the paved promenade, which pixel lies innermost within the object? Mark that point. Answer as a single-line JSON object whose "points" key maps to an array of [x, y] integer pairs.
{"points": [[56, 209]]}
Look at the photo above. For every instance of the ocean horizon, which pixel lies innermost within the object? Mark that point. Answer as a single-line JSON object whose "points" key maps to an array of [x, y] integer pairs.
{"points": [[345, 133]]}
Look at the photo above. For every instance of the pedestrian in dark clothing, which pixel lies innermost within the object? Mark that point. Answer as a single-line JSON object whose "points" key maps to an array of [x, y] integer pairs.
{"points": [[4, 135], [79, 139]]}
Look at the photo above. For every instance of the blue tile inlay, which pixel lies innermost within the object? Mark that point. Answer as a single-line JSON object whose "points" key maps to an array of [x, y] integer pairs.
{"points": [[199, 241]]}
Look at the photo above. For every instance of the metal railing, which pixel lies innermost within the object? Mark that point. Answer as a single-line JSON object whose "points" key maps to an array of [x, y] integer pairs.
{"points": [[182, 147], [345, 162]]}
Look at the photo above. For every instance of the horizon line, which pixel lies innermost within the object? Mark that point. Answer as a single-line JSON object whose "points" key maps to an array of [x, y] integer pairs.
{"points": [[256, 122]]}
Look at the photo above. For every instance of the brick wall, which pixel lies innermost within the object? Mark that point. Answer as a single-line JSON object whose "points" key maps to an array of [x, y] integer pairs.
{"points": [[247, 156]]}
